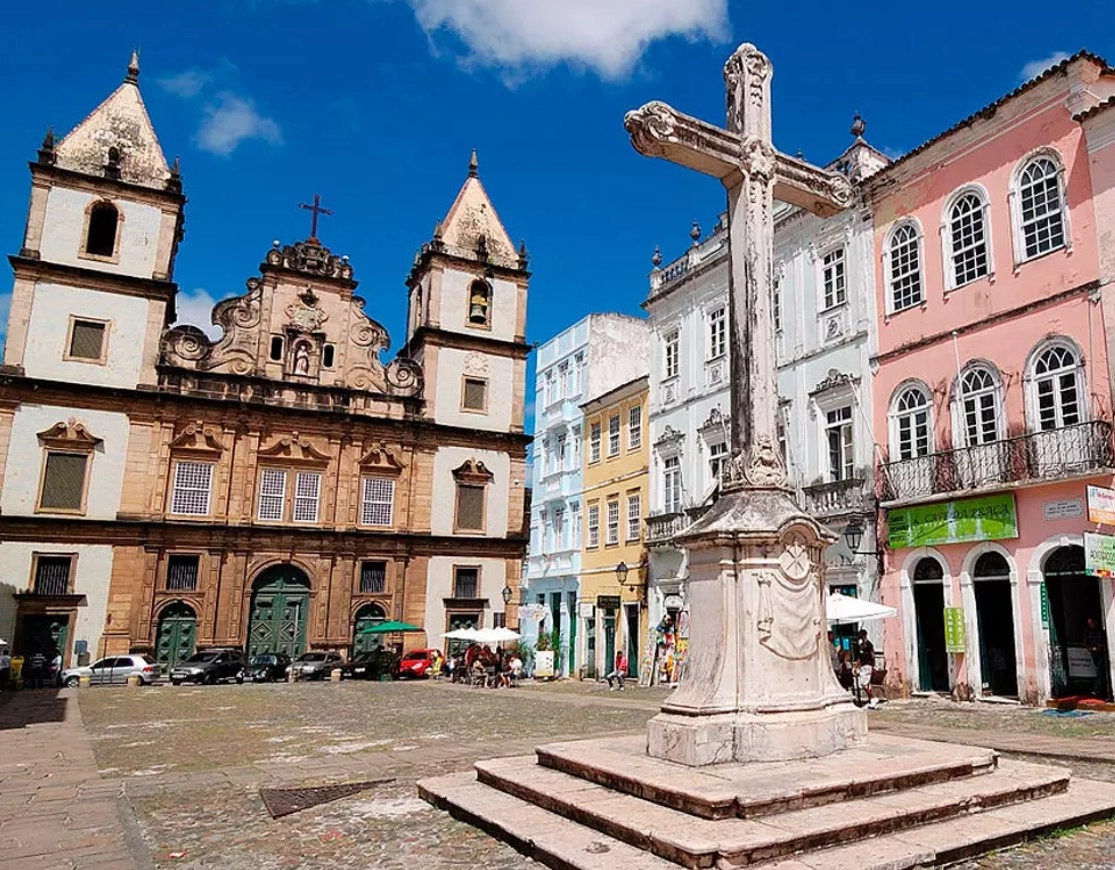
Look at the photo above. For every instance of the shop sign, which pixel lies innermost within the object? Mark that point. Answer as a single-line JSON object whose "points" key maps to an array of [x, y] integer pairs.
{"points": [[1044, 606], [1063, 509], [988, 518], [537, 612], [1101, 505], [672, 602], [544, 663], [1099, 555], [608, 602], [588, 610], [956, 638], [1080, 663]]}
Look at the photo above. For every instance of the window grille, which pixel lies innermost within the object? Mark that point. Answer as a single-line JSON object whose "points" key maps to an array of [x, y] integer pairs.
{"points": [[969, 240], [905, 268], [52, 575], [64, 481], [191, 488], [980, 407], [272, 494], [1043, 220], [373, 577], [466, 583], [181, 573], [1058, 389], [307, 492], [377, 502], [87, 340], [470, 507], [475, 395]]}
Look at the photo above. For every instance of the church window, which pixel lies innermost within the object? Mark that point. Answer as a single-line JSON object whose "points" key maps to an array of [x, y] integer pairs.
{"points": [[474, 394], [181, 573], [634, 515], [272, 494], [717, 459], [613, 435], [613, 521], [634, 427], [967, 236], [480, 304], [672, 350], [904, 254], [307, 493], [594, 443], [63, 487], [671, 485], [277, 348], [52, 574], [466, 582], [327, 356], [594, 525], [1041, 208], [192, 482], [470, 508], [834, 278], [87, 340], [100, 238], [838, 434], [377, 501], [373, 577], [717, 332]]}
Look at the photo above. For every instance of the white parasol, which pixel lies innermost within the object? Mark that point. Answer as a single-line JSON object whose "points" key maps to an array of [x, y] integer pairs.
{"points": [[842, 609], [461, 634], [495, 635]]}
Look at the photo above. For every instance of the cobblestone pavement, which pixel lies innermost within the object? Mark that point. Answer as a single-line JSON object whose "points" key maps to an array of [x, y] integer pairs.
{"points": [[191, 761]]}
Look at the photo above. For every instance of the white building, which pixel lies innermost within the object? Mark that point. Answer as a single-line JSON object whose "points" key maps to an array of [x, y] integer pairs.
{"points": [[824, 314], [589, 358]]}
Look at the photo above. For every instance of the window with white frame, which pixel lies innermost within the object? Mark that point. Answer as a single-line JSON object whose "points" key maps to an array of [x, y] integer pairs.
{"points": [[671, 484], [576, 447], [717, 332], [967, 233], [1057, 388], [272, 494], [776, 303], [838, 437], [594, 442], [564, 385], [717, 459], [634, 515], [672, 355], [594, 525], [559, 528], [911, 423], [834, 278], [613, 521], [548, 380], [307, 496], [580, 374], [780, 434], [613, 435], [979, 406], [192, 483], [575, 523], [1041, 216], [562, 451], [377, 501], [634, 427], [904, 254]]}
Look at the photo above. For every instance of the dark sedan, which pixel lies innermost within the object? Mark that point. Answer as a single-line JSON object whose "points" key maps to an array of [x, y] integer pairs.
{"points": [[264, 668]]}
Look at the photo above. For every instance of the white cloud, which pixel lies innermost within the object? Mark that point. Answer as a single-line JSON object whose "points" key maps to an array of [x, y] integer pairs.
{"points": [[231, 120], [1037, 67], [186, 84], [608, 36], [195, 307]]}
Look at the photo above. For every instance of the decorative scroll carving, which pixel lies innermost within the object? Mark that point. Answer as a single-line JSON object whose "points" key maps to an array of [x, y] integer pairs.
{"points": [[310, 258], [760, 467], [197, 436], [404, 377], [296, 448], [649, 125], [473, 471], [380, 459], [669, 436], [476, 364], [70, 435], [306, 315]]}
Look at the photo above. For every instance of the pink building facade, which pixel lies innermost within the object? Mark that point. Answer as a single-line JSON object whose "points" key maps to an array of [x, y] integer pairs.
{"points": [[993, 398]]}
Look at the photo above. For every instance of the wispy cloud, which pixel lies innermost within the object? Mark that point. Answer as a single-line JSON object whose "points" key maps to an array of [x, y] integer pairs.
{"points": [[519, 36], [231, 120], [195, 307], [1037, 67], [186, 84]]}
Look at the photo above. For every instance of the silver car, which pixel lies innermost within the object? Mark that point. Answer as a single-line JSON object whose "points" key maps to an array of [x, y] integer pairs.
{"points": [[114, 669]]}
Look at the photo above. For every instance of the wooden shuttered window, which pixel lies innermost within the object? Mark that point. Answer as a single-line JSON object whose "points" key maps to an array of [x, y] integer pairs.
{"points": [[470, 507], [64, 482]]}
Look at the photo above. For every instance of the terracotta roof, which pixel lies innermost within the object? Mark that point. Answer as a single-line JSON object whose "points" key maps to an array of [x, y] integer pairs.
{"points": [[990, 109], [1109, 103]]}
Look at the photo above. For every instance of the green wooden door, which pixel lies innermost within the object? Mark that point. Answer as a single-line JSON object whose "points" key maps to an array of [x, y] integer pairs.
{"points": [[280, 609], [609, 641], [366, 617], [45, 634], [176, 635]]}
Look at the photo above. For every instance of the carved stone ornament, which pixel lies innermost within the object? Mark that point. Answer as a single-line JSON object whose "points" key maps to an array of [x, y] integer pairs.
{"points": [[476, 364], [473, 471], [198, 437], [717, 420], [789, 620], [833, 381], [669, 437], [762, 467], [649, 125], [71, 435], [310, 258], [306, 314], [380, 459], [757, 159], [296, 448]]}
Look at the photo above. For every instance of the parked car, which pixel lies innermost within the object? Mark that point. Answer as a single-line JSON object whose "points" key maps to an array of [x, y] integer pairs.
{"points": [[416, 663], [208, 666], [114, 669], [371, 665], [315, 665], [264, 668]]}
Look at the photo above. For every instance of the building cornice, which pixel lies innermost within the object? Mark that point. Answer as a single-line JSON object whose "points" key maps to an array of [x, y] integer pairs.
{"points": [[96, 184], [437, 337], [31, 268]]}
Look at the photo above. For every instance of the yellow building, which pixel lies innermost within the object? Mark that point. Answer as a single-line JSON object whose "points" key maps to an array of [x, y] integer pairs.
{"points": [[616, 494]]}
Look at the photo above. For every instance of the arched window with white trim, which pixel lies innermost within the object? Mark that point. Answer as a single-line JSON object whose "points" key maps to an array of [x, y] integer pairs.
{"points": [[910, 436], [980, 406], [1040, 217], [967, 240], [904, 276], [1057, 387]]}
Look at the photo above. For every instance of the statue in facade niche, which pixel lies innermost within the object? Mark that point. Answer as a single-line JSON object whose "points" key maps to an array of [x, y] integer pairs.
{"points": [[301, 359]]}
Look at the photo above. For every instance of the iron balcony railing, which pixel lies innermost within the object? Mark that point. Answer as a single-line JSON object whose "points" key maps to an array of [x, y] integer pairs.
{"points": [[663, 528], [1050, 455], [835, 499]]}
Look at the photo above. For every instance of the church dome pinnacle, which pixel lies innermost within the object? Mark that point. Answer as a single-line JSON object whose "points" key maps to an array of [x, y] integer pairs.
{"points": [[133, 68]]}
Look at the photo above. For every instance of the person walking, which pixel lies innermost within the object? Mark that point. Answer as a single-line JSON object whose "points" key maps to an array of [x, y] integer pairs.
{"points": [[865, 661], [619, 673], [36, 665], [1096, 644]]}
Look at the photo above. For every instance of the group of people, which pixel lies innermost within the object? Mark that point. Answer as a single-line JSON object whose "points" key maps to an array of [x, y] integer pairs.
{"points": [[855, 668], [484, 667], [40, 669]]}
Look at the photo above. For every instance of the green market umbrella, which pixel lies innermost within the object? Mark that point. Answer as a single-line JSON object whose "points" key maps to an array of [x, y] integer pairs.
{"points": [[388, 627]]}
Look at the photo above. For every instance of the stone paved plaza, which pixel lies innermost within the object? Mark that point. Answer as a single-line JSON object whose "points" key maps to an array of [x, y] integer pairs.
{"points": [[164, 777]]}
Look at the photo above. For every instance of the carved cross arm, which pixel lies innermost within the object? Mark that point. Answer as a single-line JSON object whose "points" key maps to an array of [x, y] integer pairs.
{"points": [[659, 130], [816, 190]]}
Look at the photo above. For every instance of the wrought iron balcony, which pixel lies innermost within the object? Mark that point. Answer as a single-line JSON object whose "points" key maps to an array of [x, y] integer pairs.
{"points": [[835, 499], [1051, 455]]}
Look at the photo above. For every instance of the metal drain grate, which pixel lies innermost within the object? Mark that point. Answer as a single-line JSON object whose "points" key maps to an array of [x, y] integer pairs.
{"points": [[284, 801]]}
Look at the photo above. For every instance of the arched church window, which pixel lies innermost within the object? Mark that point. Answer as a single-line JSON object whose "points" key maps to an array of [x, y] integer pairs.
{"points": [[100, 240], [480, 304]]}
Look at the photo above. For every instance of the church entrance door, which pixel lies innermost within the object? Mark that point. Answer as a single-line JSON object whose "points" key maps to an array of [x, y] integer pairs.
{"points": [[280, 610], [366, 617], [176, 635]]}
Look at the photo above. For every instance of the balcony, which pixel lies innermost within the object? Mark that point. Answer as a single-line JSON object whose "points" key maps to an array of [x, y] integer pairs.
{"points": [[838, 498], [663, 528], [1056, 454]]}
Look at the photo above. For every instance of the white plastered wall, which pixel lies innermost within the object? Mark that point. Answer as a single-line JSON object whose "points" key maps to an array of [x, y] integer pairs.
{"points": [[439, 585], [499, 490], [62, 239], [453, 365]]}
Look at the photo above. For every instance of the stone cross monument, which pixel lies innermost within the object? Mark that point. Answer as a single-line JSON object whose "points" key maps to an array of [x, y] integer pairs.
{"points": [[759, 684]]}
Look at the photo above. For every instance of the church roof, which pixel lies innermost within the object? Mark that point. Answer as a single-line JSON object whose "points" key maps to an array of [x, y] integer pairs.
{"points": [[1106, 105], [120, 121], [471, 216]]}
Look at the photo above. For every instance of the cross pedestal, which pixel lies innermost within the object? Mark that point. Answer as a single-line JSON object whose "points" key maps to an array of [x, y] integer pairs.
{"points": [[759, 684]]}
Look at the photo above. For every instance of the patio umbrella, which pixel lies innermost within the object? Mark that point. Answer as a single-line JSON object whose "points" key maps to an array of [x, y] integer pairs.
{"points": [[388, 627], [495, 635], [844, 609], [461, 634]]}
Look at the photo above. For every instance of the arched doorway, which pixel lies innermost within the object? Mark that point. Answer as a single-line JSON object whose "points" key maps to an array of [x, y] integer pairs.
{"points": [[280, 611], [995, 618], [1074, 599], [176, 634], [929, 611], [366, 617]]}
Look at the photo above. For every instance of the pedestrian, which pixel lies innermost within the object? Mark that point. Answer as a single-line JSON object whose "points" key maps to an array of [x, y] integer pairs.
{"points": [[5, 667], [1096, 644], [619, 673], [35, 667], [865, 661], [56, 669]]}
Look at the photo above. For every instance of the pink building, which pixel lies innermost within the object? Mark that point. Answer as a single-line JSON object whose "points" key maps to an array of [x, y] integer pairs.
{"points": [[993, 391]]}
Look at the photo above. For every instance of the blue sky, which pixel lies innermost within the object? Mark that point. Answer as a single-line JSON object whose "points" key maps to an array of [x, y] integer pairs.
{"points": [[376, 104]]}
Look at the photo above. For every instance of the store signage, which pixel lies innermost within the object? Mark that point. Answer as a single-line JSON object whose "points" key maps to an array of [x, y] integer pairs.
{"points": [[1081, 664], [1101, 505], [1099, 555], [543, 663], [608, 602], [989, 518], [1044, 606], [1063, 509], [588, 610], [956, 638]]}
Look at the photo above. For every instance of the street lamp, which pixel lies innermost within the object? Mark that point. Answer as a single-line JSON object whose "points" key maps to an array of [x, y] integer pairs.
{"points": [[506, 594], [853, 534], [621, 573]]}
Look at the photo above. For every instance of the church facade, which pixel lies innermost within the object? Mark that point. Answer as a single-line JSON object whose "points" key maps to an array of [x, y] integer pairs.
{"points": [[280, 488]]}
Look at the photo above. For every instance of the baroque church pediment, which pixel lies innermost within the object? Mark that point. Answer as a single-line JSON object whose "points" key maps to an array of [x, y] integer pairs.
{"points": [[379, 458], [70, 435], [198, 437], [294, 447], [473, 471]]}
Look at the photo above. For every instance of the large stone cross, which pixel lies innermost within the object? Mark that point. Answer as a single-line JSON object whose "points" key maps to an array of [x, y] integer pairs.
{"points": [[755, 174]]}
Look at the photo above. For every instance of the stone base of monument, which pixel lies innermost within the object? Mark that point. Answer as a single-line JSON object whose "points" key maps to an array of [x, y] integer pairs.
{"points": [[891, 803]]}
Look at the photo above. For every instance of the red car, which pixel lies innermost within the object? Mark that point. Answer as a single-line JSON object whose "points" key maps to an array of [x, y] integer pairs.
{"points": [[417, 663]]}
